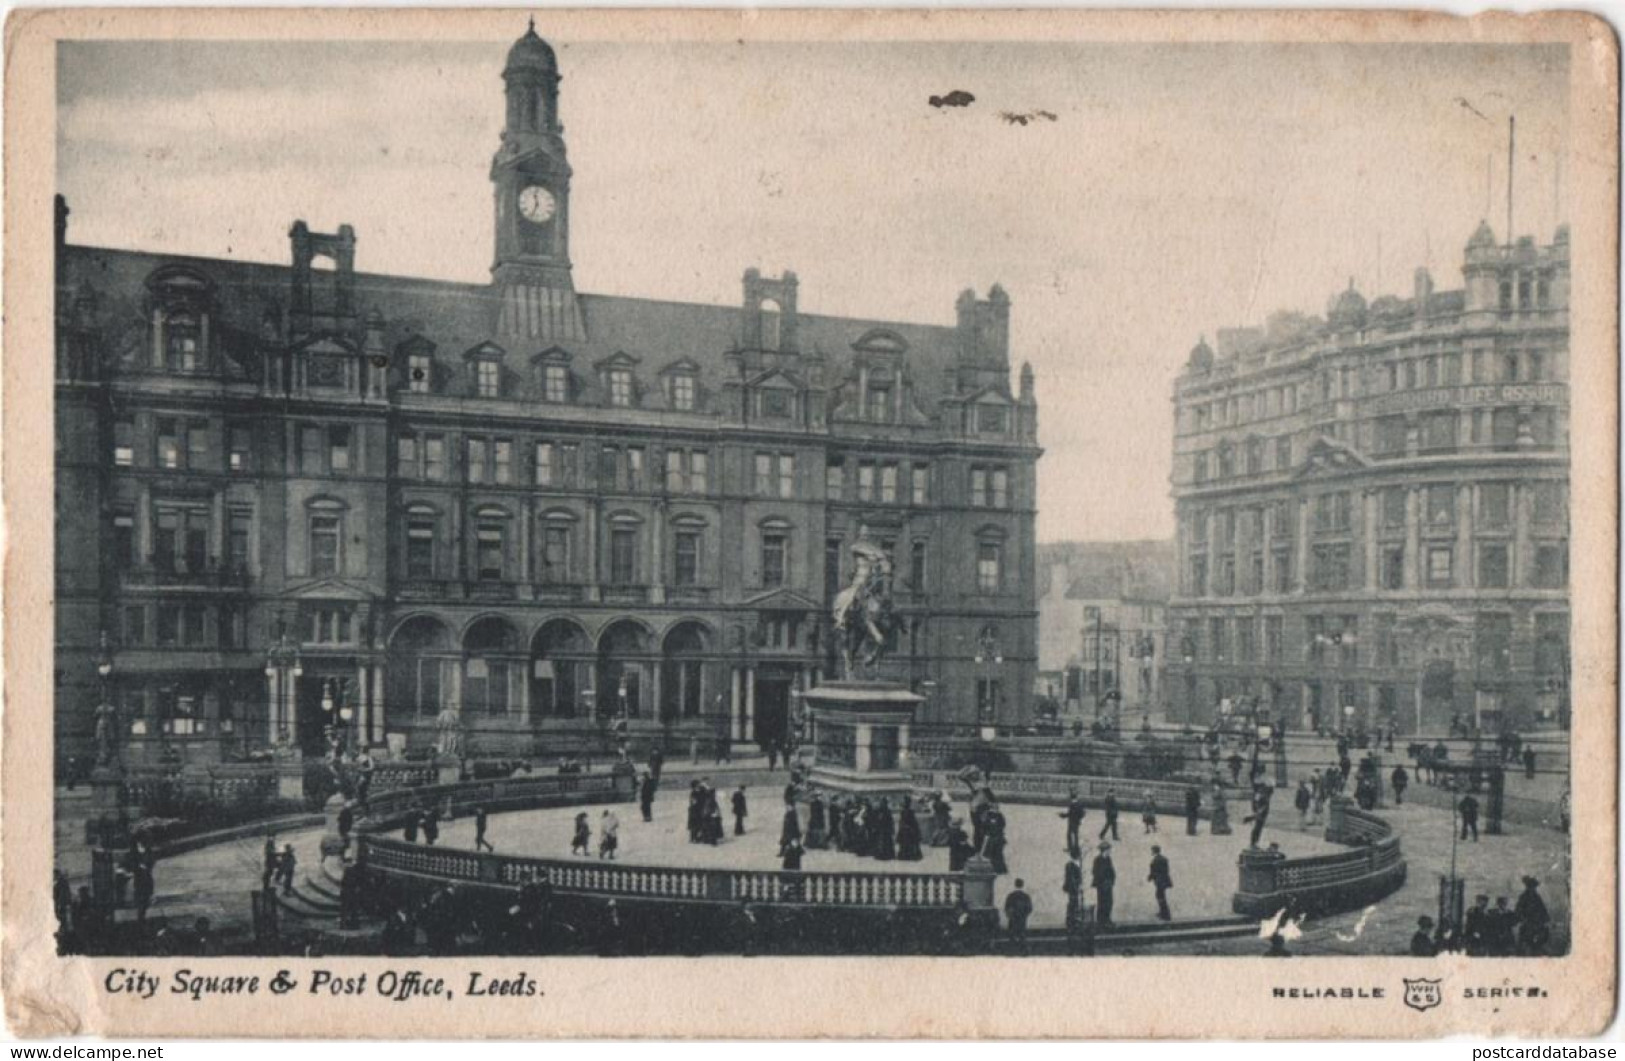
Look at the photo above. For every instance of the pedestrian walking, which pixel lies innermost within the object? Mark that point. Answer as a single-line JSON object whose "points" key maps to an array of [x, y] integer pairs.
{"points": [[1400, 779], [1533, 919], [1235, 764], [1469, 816], [609, 828], [646, 795], [1193, 808], [1422, 945], [818, 824], [741, 808], [581, 841], [480, 821], [270, 857], [1148, 816], [431, 825], [285, 869], [1111, 816], [1262, 794], [1018, 907], [1072, 885], [791, 829], [1304, 802], [1529, 761], [657, 760], [1103, 878], [1074, 818], [1161, 879]]}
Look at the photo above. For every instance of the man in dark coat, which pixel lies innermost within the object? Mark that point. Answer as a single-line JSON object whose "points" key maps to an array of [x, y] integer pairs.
{"points": [[431, 825], [696, 811], [646, 795], [1529, 761], [741, 809], [1469, 816], [959, 846], [285, 868], [657, 760], [1533, 919], [1503, 925], [1476, 926], [1072, 885], [1400, 779], [1235, 764], [1074, 818], [270, 860], [1103, 878], [1018, 907], [1422, 945], [1262, 794], [792, 828], [480, 821], [1161, 879], [1111, 817], [1193, 808]]}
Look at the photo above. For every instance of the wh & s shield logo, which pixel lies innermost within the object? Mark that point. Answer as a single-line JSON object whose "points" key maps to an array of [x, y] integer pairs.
{"points": [[1423, 995]]}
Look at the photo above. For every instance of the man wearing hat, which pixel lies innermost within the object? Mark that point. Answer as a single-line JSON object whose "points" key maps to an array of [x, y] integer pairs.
{"points": [[1103, 878], [1475, 926], [1018, 907], [1534, 921], [1422, 942], [1161, 879]]}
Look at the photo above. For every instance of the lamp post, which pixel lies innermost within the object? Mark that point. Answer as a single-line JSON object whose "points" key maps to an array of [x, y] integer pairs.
{"points": [[282, 667], [988, 657]]}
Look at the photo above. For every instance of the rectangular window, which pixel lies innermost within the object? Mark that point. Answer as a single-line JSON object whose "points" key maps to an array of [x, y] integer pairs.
{"points": [[1331, 567], [699, 472], [1001, 488], [502, 454], [544, 463], [686, 556], [989, 561], [1198, 576], [324, 545], [1452, 370], [240, 526], [489, 379], [1393, 567], [556, 384], [623, 555], [420, 548], [1333, 513], [834, 480], [1549, 508], [879, 404], [987, 699], [135, 625], [634, 468], [1218, 638], [1283, 453], [312, 450], [555, 553], [774, 559], [832, 567], [338, 448], [488, 552], [420, 373], [1441, 505], [123, 442], [682, 392], [674, 471], [1393, 507], [1494, 506], [169, 625], [1492, 566], [476, 460], [787, 475], [1348, 642], [920, 475], [1283, 570], [1273, 626], [1390, 431], [1439, 567], [233, 632], [1504, 429], [241, 442], [1438, 432], [620, 388], [888, 484], [1246, 640], [434, 457], [764, 475], [916, 567], [124, 540], [169, 444], [1551, 565], [866, 481]]}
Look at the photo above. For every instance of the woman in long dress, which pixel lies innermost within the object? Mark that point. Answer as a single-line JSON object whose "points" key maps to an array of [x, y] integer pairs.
{"points": [[941, 818], [885, 839], [816, 827], [857, 827], [908, 833]]}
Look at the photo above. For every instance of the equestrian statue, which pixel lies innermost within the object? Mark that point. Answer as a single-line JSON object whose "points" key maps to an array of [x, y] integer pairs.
{"points": [[865, 621]]}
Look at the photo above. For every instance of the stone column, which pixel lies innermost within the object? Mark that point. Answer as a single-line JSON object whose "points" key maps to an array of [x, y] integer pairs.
{"points": [[1369, 504], [750, 703], [1266, 533], [361, 724], [736, 705], [862, 734], [273, 704], [1300, 567], [657, 552], [1464, 537], [376, 733], [1522, 561], [1415, 569]]}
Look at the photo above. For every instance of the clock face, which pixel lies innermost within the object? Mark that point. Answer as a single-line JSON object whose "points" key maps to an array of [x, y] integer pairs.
{"points": [[536, 204]]}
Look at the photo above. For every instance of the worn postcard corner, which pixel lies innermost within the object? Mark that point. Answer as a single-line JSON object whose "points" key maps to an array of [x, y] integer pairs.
{"points": [[696, 505]]}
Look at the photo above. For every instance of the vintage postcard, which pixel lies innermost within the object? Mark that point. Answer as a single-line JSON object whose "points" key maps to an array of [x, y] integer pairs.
{"points": [[1027, 516]]}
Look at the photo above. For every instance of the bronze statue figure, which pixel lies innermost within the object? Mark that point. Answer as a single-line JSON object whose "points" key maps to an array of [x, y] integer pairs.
{"points": [[864, 618]]}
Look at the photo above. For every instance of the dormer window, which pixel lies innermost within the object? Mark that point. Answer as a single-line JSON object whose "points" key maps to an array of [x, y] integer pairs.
{"points": [[776, 404], [181, 336], [682, 391], [620, 388], [488, 379], [556, 383], [419, 373], [991, 419], [880, 403]]}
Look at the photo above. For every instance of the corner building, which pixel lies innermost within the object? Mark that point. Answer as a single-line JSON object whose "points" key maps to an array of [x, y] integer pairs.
{"points": [[289, 494], [1373, 507]]}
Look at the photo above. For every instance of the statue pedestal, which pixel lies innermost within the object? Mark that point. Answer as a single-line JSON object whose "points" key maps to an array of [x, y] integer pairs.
{"points": [[860, 734], [108, 824]]}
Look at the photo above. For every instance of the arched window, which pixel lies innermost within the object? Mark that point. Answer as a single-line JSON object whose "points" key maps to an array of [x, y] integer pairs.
{"points": [[325, 537], [492, 672], [422, 668], [682, 681], [625, 659], [561, 660]]}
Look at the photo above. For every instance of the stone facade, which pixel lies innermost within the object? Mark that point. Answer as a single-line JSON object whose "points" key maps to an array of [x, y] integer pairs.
{"points": [[289, 494], [1373, 508]]}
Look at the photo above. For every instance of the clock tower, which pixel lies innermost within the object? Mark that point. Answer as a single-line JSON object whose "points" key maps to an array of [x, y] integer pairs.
{"points": [[531, 179]]}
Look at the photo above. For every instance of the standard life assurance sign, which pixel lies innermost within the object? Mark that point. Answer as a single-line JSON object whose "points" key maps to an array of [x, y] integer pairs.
{"points": [[1490, 394]]}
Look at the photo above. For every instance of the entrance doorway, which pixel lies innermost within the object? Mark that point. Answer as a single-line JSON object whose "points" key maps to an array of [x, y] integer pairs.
{"points": [[772, 710]]}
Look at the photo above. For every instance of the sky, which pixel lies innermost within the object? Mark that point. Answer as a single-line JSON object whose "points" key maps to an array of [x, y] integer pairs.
{"points": [[1178, 189]]}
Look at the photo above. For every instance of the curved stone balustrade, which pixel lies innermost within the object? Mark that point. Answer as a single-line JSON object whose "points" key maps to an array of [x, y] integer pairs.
{"points": [[1322, 884]]}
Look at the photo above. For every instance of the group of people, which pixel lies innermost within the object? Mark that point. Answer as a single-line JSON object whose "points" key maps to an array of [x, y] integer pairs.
{"points": [[609, 835], [855, 825], [1485, 931]]}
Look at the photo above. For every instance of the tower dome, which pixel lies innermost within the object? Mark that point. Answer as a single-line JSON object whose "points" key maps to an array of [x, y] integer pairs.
{"points": [[1483, 236], [1349, 309], [530, 52], [1201, 358]]}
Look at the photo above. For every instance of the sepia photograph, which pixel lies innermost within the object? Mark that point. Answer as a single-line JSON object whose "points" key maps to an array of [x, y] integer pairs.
{"points": [[534, 492]]}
